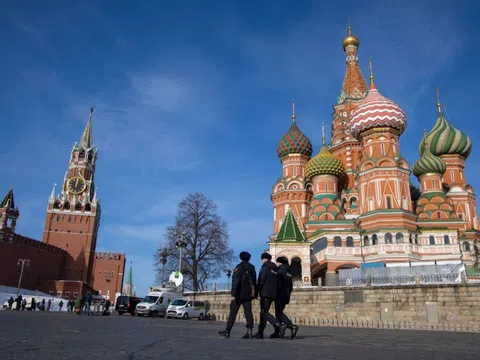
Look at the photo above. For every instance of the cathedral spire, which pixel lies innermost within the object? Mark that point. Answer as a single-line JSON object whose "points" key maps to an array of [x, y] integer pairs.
{"points": [[86, 141], [372, 78], [8, 200], [439, 106], [294, 116], [323, 135]]}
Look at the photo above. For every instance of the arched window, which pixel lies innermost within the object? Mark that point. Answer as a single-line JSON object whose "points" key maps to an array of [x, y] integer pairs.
{"points": [[446, 239], [399, 238], [88, 208], [78, 206], [66, 205], [388, 238], [432, 240], [69, 219], [439, 215], [374, 239], [416, 239], [410, 240], [81, 155], [349, 241], [56, 204], [337, 241], [366, 241], [319, 245], [466, 246], [58, 217], [353, 202]]}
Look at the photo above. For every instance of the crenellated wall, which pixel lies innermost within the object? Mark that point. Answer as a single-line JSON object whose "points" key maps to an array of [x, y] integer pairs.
{"points": [[107, 275], [46, 261]]}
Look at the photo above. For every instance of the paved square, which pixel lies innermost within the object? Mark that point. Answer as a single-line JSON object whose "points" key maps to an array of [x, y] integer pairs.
{"points": [[55, 336]]}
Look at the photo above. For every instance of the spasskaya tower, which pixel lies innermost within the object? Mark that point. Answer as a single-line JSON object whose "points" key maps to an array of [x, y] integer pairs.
{"points": [[73, 216]]}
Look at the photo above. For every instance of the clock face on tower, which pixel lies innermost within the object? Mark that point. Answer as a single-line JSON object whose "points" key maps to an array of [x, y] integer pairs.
{"points": [[76, 185]]}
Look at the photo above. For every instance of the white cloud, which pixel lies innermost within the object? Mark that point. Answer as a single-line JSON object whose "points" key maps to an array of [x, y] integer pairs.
{"points": [[141, 233]]}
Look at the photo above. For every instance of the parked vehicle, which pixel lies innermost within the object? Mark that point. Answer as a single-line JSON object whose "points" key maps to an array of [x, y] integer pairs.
{"points": [[184, 309], [156, 303], [126, 304]]}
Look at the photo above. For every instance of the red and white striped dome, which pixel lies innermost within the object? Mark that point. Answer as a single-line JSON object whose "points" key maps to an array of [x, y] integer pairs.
{"points": [[377, 111]]}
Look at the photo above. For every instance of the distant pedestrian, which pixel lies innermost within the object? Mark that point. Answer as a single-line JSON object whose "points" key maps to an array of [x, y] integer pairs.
{"points": [[267, 289], [19, 302], [24, 304], [88, 303], [243, 292], [42, 306], [10, 303], [60, 305], [49, 304], [34, 305]]}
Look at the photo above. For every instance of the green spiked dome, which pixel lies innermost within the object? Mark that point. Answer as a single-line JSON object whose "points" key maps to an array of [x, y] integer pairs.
{"points": [[428, 163], [445, 139], [290, 231], [324, 164]]}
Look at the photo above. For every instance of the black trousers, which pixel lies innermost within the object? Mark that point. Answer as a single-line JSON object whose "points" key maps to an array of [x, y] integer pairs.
{"points": [[247, 309], [279, 314], [265, 315]]}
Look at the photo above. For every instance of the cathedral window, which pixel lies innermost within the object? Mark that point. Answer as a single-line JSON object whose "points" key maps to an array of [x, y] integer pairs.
{"points": [[433, 183], [366, 241], [294, 171], [466, 246], [404, 203], [81, 155], [388, 238], [88, 208], [370, 204], [337, 241], [399, 238], [389, 202], [446, 239], [431, 239], [416, 239], [56, 205], [374, 239], [439, 215], [66, 205], [78, 206], [383, 149], [349, 241], [326, 186], [452, 175], [353, 201]]}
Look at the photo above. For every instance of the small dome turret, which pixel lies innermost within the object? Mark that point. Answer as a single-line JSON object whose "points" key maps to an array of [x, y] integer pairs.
{"points": [[294, 141], [428, 163]]}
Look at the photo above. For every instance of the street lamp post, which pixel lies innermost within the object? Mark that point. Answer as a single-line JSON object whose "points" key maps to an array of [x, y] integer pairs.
{"points": [[229, 273], [108, 279], [180, 245], [22, 263]]}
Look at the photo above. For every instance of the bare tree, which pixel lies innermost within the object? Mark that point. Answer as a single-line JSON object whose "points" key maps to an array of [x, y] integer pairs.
{"points": [[207, 253]]}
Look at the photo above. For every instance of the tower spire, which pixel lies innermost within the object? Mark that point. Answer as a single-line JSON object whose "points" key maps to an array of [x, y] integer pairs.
{"points": [[52, 195], [294, 116], [372, 78], [323, 134], [439, 106], [86, 141]]}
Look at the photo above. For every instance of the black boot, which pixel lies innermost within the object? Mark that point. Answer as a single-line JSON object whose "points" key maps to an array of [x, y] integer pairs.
{"points": [[248, 335], [294, 329], [282, 329], [258, 335], [225, 333]]}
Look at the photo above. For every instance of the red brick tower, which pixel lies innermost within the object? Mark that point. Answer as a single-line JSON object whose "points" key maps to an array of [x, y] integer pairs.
{"points": [[73, 217]]}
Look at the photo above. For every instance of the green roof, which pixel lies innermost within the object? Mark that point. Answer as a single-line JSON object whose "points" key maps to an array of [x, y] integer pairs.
{"points": [[290, 231], [8, 199]]}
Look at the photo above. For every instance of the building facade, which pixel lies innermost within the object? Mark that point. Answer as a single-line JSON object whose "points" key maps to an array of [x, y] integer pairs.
{"points": [[354, 203], [66, 261]]}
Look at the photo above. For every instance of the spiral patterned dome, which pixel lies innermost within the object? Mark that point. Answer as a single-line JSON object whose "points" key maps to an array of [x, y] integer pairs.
{"points": [[294, 142], [377, 111], [445, 139], [324, 164], [428, 163]]}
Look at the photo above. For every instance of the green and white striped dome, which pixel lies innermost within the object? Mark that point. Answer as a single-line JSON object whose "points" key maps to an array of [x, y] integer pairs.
{"points": [[428, 163], [444, 139]]}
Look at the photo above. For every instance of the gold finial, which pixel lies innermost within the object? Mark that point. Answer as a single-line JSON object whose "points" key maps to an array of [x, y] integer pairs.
{"points": [[323, 134], [371, 70], [425, 137], [293, 111], [439, 106], [350, 39]]}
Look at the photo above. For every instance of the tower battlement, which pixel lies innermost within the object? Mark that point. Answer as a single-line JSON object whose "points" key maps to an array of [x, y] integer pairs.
{"points": [[110, 256]]}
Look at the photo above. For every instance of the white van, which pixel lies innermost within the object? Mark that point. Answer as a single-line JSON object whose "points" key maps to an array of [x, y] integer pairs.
{"points": [[155, 303], [183, 308]]}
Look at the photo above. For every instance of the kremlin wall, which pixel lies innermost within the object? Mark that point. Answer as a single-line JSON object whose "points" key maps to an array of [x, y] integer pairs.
{"points": [[65, 263]]}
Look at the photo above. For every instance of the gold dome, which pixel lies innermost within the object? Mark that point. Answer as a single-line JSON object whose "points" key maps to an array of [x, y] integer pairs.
{"points": [[350, 39]]}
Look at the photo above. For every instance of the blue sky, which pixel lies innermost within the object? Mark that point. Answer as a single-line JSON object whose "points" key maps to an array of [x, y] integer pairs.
{"points": [[194, 96]]}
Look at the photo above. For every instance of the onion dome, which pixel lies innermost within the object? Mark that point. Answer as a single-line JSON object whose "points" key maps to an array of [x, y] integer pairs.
{"points": [[428, 163], [324, 164], [294, 141], [376, 111], [444, 139], [350, 39]]}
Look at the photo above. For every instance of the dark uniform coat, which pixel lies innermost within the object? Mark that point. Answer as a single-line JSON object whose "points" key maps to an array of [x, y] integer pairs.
{"points": [[244, 281], [285, 283], [268, 281]]}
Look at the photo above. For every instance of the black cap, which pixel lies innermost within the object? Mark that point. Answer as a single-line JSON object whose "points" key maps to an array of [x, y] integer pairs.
{"points": [[245, 256], [266, 256], [282, 260]]}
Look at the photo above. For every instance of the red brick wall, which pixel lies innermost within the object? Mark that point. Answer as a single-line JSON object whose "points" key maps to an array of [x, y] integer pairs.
{"points": [[46, 261], [108, 264]]}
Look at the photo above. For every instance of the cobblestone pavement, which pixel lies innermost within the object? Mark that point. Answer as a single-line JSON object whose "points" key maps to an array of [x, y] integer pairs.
{"points": [[55, 336]]}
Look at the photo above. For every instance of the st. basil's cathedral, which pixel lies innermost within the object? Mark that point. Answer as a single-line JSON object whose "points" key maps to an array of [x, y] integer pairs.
{"points": [[353, 203]]}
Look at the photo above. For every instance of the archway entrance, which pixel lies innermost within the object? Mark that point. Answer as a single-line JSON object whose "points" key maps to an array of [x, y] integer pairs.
{"points": [[296, 269]]}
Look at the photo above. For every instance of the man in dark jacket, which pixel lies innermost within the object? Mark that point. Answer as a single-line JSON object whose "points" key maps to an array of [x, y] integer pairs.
{"points": [[285, 288], [267, 289], [243, 292]]}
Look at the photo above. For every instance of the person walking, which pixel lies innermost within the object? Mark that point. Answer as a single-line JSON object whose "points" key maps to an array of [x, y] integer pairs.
{"points": [[285, 288], [60, 305], [267, 289], [10, 303], [88, 302], [243, 292], [49, 304]]}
